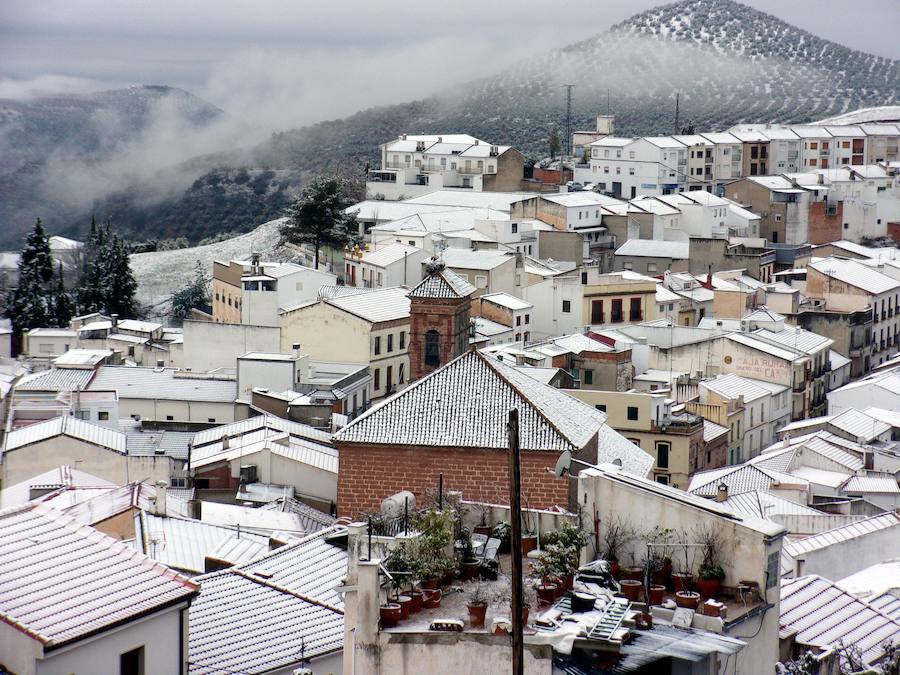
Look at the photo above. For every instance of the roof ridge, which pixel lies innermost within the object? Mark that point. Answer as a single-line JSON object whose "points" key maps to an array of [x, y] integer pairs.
{"points": [[282, 589]]}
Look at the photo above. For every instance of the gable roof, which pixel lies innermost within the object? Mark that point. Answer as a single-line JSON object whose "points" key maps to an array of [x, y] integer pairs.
{"points": [[61, 581], [855, 274], [66, 425], [844, 533], [739, 478], [466, 403], [822, 614], [374, 305], [443, 283]]}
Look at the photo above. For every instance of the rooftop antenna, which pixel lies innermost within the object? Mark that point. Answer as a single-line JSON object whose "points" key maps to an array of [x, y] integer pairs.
{"points": [[607, 101]]}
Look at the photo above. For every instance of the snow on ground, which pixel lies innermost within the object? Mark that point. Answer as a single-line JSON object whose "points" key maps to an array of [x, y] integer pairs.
{"points": [[161, 273]]}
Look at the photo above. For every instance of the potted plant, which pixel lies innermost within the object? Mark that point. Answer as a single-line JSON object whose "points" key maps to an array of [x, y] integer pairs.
{"points": [[390, 613], [468, 564], [710, 580], [573, 539], [484, 510], [688, 599], [529, 538], [477, 605], [616, 534], [545, 569], [682, 577], [501, 531], [711, 572], [659, 554], [655, 594]]}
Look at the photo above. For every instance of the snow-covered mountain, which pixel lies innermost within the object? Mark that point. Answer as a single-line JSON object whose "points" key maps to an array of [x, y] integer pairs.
{"points": [[728, 62]]}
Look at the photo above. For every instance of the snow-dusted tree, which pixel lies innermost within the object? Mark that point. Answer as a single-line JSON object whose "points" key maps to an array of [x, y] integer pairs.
{"points": [[318, 216], [195, 294], [107, 283], [28, 306], [90, 294], [63, 304]]}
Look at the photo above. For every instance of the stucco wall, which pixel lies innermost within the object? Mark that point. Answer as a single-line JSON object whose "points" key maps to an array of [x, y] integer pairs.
{"points": [[847, 557], [209, 345]]}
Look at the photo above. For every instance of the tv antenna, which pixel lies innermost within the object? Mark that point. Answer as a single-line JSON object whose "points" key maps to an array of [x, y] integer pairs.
{"points": [[568, 146]]}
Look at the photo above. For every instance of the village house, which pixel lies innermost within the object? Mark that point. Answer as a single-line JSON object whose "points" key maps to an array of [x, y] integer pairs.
{"points": [[388, 265]]}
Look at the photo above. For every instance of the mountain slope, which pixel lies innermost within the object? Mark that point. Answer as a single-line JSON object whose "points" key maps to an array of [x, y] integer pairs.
{"points": [[60, 152], [728, 62]]}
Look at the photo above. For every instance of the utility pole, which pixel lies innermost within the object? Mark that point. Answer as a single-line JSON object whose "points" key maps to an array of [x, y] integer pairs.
{"points": [[515, 522], [568, 144], [677, 112]]}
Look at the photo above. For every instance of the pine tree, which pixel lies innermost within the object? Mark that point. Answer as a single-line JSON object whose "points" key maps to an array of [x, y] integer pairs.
{"points": [[195, 294], [107, 284], [27, 305], [318, 216], [63, 304], [90, 294]]}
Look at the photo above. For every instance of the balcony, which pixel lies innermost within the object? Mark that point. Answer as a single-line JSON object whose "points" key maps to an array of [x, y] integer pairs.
{"points": [[636, 316], [679, 423], [799, 387], [470, 170]]}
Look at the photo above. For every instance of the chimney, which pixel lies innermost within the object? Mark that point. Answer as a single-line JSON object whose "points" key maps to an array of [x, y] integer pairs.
{"points": [[159, 504], [820, 179], [786, 441], [296, 348], [254, 264], [709, 275], [195, 509], [721, 492], [440, 139], [225, 442], [115, 321]]}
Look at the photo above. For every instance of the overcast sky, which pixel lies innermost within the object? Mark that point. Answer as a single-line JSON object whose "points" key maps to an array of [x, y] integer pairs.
{"points": [[286, 62]]}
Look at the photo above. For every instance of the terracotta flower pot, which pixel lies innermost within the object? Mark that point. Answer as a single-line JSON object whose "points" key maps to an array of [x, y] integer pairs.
{"points": [[529, 543], [430, 584], [405, 603], [468, 569], [390, 615], [570, 581], [663, 575], [631, 589], [709, 588], [656, 594], [688, 599], [560, 589], [546, 594], [477, 614], [415, 605], [710, 610], [682, 582], [486, 530], [615, 569], [633, 573], [432, 598]]}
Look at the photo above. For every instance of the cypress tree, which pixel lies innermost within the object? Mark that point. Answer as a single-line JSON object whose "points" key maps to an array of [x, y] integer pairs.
{"points": [[63, 305], [28, 306]]}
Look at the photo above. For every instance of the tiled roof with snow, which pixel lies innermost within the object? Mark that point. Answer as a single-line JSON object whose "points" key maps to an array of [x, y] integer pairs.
{"points": [[61, 581], [822, 615], [855, 274], [444, 284], [677, 250], [56, 379], [466, 404], [740, 478], [844, 533], [376, 305], [761, 504], [66, 426]]}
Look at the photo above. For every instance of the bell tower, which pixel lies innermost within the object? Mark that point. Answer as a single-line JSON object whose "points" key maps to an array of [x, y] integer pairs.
{"points": [[439, 319]]}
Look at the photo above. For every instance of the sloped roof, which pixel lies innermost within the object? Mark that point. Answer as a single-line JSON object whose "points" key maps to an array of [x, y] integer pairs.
{"points": [[739, 478], [822, 614], [260, 423], [614, 448], [761, 504], [859, 424], [184, 543], [61, 581], [677, 250], [374, 305], [388, 255], [443, 283], [60, 477], [163, 383], [879, 484], [466, 404], [255, 616], [56, 379], [848, 532], [66, 426], [312, 519], [855, 274]]}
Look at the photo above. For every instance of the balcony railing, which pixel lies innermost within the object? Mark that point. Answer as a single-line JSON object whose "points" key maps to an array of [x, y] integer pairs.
{"points": [[799, 387]]}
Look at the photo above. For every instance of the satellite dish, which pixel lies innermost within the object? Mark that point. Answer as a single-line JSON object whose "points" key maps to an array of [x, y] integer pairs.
{"points": [[563, 464]]}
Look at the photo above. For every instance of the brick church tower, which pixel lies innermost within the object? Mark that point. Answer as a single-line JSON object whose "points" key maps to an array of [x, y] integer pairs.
{"points": [[439, 319]]}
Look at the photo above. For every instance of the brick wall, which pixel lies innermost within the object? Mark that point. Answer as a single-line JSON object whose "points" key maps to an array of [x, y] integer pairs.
{"points": [[367, 474], [893, 231], [823, 228], [450, 318]]}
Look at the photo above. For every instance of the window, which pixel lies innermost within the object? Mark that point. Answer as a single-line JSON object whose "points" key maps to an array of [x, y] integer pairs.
{"points": [[567, 306], [519, 320], [772, 563], [632, 413], [169, 418], [432, 348], [618, 170], [635, 310], [402, 339], [597, 311], [103, 416], [601, 407], [132, 663], [388, 377], [515, 228], [616, 313], [589, 377], [631, 171], [377, 345], [401, 374], [480, 281], [377, 381], [651, 267], [663, 479], [45, 348], [662, 455], [390, 342], [527, 336], [211, 420], [527, 319], [813, 146], [631, 154]]}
